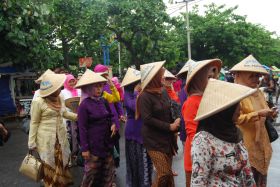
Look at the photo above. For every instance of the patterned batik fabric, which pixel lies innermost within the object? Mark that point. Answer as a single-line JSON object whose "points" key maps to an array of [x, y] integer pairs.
{"points": [[163, 165], [261, 180], [139, 167], [72, 135], [99, 172], [58, 176], [219, 163]]}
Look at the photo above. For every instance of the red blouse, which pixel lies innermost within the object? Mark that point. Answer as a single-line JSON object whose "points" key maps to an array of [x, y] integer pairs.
{"points": [[189, 111]]}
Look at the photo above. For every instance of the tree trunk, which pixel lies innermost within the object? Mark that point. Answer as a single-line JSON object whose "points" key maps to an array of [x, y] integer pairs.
{"points": [[65, 50]]}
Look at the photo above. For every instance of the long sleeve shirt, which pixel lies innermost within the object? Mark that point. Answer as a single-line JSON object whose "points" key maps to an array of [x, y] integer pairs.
{"points": [[94, 123], [156, 115], [260, 152], [116, 108], [45, 125], [189, 111], [133, 126], [113, 96]]}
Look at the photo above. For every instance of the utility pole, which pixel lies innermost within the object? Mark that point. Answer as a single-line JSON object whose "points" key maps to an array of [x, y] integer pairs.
{"points": [[119, 52], [188, 27]]}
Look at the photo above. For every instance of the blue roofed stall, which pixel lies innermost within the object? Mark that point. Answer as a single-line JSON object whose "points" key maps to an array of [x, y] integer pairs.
{"points": [[7, 106], [16, 91]]}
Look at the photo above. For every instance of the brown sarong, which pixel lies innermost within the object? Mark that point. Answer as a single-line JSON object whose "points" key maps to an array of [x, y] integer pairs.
{"points": [[163, 165], [99, 172], [58, 176]]}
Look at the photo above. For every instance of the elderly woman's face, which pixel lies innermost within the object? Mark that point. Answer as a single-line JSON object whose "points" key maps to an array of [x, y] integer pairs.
{"points": [[250, 79], [97, 89]]}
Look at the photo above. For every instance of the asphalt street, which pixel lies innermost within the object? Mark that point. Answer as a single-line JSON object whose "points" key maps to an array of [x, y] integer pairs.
{"points": [[13, 152]]}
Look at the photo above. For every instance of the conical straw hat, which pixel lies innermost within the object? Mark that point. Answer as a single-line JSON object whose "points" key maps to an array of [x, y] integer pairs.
{"points": [[72, 103], [131, 76], [249, 64], [219, 95], [148, 71], [168, 74], [89, 77], [185, 68], [51, 83], [194, 67], [38, 81]]}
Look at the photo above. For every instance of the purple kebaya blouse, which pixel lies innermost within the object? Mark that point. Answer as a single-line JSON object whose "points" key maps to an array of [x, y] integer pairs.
{"points": [[133, 127], [94, 122]]}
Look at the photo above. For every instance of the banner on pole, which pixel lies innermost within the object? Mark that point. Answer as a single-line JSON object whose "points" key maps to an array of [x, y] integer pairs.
{"points": [[85, 62]]}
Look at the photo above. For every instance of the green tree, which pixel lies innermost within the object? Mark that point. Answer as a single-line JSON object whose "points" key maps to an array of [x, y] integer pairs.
{"points": [[223, 34], [23, 34], [139, 26]]}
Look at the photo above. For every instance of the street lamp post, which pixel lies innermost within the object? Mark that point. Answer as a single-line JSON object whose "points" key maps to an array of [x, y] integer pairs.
{"points": [[188, 27]]}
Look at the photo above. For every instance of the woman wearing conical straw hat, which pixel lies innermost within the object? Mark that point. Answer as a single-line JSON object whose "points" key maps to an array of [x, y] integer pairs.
{"points": [[197, 79], [116, 107], [39, 80], [168, 80], [219, 156], [97, 129], [182, 75], [139, 166], [158, 128], [47, 133], [253, 113]]}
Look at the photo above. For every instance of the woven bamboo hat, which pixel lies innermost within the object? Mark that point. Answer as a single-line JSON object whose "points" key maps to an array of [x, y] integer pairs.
{"points": [[185, 68], [194, 67], [168, 74], [38, 81], [72, 103], [148, 71], [249, 64], [51, 83], [131, 76], [219, 95], [89, 77]]}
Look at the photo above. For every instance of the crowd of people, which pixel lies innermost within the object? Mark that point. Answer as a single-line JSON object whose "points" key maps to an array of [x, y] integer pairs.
{"points": [[220, 124]]}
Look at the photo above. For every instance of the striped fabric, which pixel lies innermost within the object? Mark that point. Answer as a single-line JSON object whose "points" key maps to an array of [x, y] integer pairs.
{"points": [[58, 176], [163, 165], [139, 167], [99, 172]]}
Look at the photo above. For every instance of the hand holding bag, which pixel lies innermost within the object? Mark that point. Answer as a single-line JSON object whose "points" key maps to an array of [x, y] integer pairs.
{"points": [[31, 167], [271, 131]]}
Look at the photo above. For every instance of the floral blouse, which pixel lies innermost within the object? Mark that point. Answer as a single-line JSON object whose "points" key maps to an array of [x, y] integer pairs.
{"points": [[219, 163]]}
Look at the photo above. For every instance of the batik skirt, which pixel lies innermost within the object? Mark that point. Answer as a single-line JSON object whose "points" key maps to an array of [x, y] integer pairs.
{"points": [[58, 176], [99, 172], [163, 165], [139, 167]]}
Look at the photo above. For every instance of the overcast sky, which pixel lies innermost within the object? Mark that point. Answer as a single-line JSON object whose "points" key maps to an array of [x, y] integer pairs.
{"points": [[266, 13]]}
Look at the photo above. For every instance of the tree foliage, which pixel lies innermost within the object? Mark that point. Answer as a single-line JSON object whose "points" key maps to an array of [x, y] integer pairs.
{"points": [[44, 34], [223, 34]]}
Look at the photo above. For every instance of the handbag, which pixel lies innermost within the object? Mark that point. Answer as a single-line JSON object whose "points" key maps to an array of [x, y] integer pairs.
{"points": [[175, 108], [32, 167], [271, 131]]}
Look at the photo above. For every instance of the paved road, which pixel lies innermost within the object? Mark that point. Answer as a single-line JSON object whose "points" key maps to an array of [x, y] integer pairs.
{"points": [[14, 151]]}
